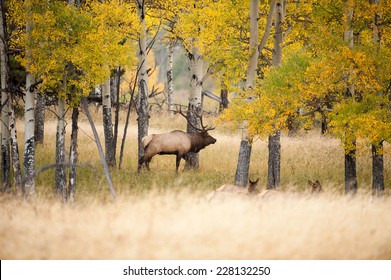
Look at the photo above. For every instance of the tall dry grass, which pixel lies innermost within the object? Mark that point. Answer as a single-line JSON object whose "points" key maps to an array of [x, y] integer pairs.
{"points": [[164, 215], [181, 225]]}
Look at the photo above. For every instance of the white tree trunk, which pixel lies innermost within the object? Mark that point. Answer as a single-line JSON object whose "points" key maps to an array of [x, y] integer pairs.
{"points": [[254, 52], [73, 153], [170, 80], [5, 101], [243, 166], [196, 70], [195, 101], [142, 104], [279, 17], [40, 119], [108, 124], [116, 80], [5, 148], [8, 119], [29, 121], [60, 176], [15, 151]]}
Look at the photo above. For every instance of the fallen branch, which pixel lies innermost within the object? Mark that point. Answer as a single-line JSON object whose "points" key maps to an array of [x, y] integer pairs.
{"points": [[54, 165]]}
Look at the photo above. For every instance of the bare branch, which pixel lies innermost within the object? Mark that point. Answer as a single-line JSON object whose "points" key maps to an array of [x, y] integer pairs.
{"points": [[54, 165], [34, 86], [212, 69]]}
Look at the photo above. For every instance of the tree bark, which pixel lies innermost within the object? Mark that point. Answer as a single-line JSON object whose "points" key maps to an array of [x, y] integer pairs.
{"points": [[29, 139], [274, 161], [377, 149], [243, 166], [170, 80], [40, 119], [377, 169], [224, 98], [195, 102], [113, 87], [108, 124], [350, 170], [269, 23], [142, 104], [7, 107], [5, 101], [5, 148], [60, 176], [117, 82], [254, 52], [350, 155], [15, 151], [73, 153], [324, 124]]}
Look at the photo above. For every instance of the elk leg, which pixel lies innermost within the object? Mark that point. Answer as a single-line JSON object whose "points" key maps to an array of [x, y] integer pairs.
{"points": [[178, 161], [140, 163], [147, 163]]}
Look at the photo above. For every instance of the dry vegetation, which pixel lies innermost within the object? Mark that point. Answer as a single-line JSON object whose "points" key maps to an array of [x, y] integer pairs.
{"points": [[162, 215]]}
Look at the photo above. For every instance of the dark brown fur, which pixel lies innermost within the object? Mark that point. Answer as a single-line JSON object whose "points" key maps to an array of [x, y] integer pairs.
{"points": [[316, 187], [176, 142], [252, 185]]}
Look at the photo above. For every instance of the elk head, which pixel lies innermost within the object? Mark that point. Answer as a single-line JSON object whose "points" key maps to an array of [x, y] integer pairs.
{"points": [[203, 131], [316, 187], [252, 185]]}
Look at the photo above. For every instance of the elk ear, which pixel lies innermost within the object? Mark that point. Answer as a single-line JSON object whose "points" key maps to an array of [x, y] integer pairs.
{"points": [[317, 181], [253, 182], [310, 183]]}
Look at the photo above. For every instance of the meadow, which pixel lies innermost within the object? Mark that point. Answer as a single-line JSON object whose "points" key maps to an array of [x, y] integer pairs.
{"points": [[164, 215]]}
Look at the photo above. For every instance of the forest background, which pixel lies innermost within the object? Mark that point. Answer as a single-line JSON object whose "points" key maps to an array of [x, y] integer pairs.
{"points": [[297, 90], [283, 65]]}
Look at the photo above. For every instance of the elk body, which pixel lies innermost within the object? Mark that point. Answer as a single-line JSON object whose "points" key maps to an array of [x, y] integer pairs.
{"points": [[176, 142], [232, 190], [226, 191]]}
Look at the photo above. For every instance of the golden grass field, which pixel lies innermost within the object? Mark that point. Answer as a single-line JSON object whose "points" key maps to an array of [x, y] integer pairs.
{"points": [[163, 215]]}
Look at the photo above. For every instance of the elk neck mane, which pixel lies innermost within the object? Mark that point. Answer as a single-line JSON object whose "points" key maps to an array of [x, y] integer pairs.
{"points": [[197, 141]]}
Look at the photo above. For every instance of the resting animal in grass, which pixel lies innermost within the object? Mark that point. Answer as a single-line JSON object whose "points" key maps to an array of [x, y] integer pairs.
{"points": [[238, 191]]}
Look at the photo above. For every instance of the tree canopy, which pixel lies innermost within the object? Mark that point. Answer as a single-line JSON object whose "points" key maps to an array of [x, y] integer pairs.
{"points": [[318, 65]]}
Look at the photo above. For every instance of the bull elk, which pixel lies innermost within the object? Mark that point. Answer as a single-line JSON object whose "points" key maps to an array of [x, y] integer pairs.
{"points": [[176, 142]]}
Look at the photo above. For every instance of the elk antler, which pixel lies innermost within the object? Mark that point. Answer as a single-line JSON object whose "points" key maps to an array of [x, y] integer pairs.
{"points": [[204, 128]]}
